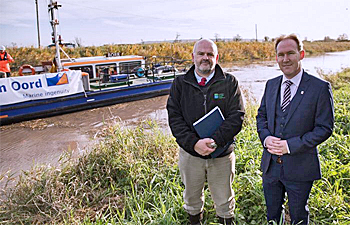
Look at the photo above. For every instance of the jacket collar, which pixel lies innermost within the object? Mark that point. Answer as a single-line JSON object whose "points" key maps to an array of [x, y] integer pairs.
{"points": [[302, 89], [219, 75]]}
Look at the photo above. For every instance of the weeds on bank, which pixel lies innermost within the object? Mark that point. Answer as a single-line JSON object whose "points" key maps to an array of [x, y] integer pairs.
{"points": [[337, 80], [132, 177], [128, 177]]}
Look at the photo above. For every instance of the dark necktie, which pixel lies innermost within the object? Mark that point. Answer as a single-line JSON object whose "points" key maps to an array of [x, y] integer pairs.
{"points": [[202, 83], [286, 95]]}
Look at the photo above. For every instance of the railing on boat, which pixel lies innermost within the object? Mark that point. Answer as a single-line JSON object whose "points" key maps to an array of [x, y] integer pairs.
{"points": [[154, 69]]}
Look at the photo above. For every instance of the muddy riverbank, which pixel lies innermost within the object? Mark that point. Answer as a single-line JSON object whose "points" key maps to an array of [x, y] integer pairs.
{"points": [[40, 141]]}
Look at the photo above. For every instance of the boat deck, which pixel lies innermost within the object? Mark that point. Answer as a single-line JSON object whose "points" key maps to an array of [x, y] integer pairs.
{"points": [[131, 81]]}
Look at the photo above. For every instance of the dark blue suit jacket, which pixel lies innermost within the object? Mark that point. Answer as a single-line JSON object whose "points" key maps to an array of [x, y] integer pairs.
{"points": [[309, 122]]}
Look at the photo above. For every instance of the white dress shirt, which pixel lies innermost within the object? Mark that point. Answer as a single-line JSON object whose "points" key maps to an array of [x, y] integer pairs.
{"points": [[294, 87], [199, 78]]}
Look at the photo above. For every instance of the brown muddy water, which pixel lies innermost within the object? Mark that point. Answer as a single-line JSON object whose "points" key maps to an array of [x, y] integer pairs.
{"points": [[42, 141]]}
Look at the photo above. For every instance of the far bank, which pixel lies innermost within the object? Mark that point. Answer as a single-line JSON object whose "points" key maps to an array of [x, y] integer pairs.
{"points": [[230, 51]]}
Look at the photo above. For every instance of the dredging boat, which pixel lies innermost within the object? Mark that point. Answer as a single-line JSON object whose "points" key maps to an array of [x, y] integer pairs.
{"points": [[83, 83]]}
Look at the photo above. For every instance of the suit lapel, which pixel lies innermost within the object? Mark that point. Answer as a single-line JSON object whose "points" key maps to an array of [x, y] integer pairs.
{"points": [[271, 103], [301, 91]]}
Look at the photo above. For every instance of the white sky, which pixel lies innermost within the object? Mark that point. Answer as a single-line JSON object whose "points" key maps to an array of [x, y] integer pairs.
{"points": [[131, 21]]}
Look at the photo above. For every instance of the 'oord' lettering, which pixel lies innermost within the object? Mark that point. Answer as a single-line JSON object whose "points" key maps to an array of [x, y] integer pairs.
{"points": [[16, 85], [25, 86], [3, 88], [30, 85]]}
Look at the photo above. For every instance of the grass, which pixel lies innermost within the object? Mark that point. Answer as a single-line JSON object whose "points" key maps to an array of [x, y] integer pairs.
{"points": [[131, 177]]}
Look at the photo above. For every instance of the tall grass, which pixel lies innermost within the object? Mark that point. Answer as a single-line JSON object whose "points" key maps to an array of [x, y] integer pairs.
{"points": [[131, 177], [127, 177]]}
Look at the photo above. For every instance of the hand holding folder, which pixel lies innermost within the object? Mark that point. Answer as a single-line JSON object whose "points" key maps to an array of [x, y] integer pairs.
{"points": [[208, 124]]}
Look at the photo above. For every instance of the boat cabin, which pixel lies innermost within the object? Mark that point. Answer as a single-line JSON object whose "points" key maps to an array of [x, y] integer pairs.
{"points": [[99, 67]]}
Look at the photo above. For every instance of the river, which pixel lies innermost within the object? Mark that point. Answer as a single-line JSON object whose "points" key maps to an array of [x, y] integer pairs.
{"points": [[36, 142]]}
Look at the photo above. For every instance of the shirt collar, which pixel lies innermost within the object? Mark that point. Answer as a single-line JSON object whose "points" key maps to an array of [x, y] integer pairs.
{"points": [[199, 78], [296, 79]]}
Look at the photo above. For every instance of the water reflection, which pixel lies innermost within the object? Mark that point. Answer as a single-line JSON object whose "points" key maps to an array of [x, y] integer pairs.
{"points": [[330, 62]]}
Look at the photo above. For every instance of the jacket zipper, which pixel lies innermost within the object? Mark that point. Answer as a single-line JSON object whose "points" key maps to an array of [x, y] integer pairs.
{"points": [[204, 95]]}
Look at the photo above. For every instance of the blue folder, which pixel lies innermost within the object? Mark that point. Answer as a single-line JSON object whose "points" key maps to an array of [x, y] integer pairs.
{"points": [[208, 124]]}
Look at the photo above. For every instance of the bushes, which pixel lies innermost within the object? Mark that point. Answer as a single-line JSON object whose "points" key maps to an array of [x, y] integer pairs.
{"points": [[229, 51]]}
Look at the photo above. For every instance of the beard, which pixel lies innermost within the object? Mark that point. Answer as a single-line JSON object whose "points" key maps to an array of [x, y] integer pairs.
{"points": [[205, 69]]}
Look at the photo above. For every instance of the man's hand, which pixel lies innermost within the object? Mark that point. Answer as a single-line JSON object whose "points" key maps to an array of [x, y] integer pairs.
{"points": [[276, 146], [203, 148]]}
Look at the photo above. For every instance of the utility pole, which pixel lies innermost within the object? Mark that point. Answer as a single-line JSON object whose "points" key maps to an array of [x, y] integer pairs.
{"points": [[256, 32], [37, 21], [53, 8]]}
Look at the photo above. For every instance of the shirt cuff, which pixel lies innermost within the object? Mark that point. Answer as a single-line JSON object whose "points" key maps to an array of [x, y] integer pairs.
{"points": [[287, 147], [265, 141], [270, 136]]}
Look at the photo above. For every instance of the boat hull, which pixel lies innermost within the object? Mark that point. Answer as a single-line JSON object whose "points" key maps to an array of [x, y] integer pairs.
{"points": [[56, 106]]}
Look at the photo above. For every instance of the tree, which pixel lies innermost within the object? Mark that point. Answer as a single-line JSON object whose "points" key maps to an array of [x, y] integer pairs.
{"points": [[177, 38], [327, 39], [343, 37], [217, 37], [78, 42], [237, 38]]}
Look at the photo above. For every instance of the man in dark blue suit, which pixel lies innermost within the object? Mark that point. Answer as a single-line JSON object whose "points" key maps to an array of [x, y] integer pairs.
{"points": [[296, 114]]}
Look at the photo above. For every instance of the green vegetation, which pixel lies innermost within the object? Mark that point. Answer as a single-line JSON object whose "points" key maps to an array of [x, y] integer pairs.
{"points": [[132, 177], [229, 51]]}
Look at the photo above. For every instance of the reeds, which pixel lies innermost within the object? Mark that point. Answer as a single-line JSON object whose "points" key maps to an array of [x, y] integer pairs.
{"points": [[229, 51]]}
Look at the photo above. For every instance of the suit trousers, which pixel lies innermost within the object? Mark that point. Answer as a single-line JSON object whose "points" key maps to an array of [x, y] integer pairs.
{"points": [[219, 173], [275, 186]]}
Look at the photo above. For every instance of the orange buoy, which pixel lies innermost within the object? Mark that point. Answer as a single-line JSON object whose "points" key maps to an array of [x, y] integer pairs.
{"points": [[26, 66]]}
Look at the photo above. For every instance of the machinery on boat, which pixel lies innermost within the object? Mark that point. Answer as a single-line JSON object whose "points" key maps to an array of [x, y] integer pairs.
{"points": [[83, 83]]}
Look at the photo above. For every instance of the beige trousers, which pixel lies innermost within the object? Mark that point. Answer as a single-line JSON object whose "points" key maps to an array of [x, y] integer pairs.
{"points": [[218, 172]]}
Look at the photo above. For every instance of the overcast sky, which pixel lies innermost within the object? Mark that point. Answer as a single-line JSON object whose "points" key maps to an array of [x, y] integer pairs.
{"points": [[132, 21]]}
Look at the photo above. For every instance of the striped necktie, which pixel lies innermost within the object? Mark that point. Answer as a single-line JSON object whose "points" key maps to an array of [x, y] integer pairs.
{"points": [[286, 95]]}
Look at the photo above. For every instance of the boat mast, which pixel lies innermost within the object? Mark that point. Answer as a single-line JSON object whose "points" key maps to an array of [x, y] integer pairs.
{"points": [[53, 8]]}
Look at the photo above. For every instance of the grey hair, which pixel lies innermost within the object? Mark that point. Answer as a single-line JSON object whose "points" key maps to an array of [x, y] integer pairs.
{"points": [[215, 48]]}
